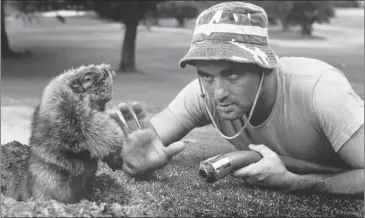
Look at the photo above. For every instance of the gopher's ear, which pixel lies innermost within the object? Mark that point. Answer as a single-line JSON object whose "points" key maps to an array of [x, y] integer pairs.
{"points": [[77, 87]]}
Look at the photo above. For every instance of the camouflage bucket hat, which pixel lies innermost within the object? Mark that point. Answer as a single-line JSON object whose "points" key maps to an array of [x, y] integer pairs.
{"points": [[232, 31]]}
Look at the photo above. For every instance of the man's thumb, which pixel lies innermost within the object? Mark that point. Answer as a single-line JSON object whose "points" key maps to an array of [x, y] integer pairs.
{"points": [[175, 148], [263, 150]]}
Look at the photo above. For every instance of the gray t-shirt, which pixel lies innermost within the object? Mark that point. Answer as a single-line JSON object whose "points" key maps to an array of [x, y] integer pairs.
{"points": [[315, 112]]}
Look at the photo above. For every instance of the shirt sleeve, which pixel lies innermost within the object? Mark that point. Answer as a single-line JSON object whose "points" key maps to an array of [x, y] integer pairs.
{"points": [[188, 107], [338, 109]]}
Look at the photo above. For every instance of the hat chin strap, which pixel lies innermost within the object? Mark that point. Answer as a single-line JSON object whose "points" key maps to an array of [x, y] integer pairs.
{"points": [[249, 117]]}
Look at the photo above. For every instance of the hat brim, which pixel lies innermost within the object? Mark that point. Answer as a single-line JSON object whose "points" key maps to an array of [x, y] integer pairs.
{"points": [[230, 51]]}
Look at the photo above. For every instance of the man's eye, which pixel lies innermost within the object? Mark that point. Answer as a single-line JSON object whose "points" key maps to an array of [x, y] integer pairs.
{"points": [[233, 76], [207, 78]]}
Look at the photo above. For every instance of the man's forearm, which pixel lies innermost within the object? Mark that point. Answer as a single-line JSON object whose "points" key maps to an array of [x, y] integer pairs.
{"points": [[348, 183]]}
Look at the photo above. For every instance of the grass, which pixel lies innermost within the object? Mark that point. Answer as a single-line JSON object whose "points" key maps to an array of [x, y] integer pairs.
{"points": [[179, 189], [175, 190]]}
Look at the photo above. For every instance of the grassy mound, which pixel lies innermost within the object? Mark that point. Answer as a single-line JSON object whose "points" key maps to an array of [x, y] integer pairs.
{"points": [[175, 190]]}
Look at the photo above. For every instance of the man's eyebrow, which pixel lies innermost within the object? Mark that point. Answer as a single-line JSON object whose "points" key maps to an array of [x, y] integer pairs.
{"points": [[224, 71], [228, 70], [232, 69], [202, 73]]}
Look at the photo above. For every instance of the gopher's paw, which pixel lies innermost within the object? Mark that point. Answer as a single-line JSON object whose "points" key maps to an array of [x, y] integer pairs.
{"points": [[114, 161]]}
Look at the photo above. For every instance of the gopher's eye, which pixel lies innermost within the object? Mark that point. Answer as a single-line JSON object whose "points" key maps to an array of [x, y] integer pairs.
{"points": [[77, 86], [88, 78]]}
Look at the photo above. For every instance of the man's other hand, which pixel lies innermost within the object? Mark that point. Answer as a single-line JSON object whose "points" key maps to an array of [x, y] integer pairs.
{"points": [[143, 151], [269, 171]]}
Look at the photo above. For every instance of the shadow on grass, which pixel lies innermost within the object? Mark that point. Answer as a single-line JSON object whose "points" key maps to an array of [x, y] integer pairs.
{"points": [[15, 55], [146, 177]]}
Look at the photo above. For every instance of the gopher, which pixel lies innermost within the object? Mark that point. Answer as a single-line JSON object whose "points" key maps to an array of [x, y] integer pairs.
{"points": [[70, 133]]}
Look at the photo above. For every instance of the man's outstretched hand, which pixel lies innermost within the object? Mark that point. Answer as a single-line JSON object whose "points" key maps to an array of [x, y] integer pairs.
{"points": [[143, 151]]}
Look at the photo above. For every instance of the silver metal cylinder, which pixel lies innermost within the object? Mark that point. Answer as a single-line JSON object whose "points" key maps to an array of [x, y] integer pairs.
{"points": [[215, 168]]}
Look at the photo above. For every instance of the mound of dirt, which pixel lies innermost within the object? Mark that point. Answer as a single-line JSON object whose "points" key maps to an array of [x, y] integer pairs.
{"points": [[109, 198]]}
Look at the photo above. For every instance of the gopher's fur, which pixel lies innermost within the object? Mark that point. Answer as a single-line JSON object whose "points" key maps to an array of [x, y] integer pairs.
{"points": [[70, 132]]}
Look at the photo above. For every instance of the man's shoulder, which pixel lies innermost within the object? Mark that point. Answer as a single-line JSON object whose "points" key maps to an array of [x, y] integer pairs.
{"points": [[301, 74], [188, 106], [302, 66], [191, 89]]}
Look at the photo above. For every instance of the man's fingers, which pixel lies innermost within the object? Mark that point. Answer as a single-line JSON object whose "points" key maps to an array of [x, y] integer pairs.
{"points": [[244, 172], [141, 116], [262, 150], [115, 116], [128, 116], [174, 148]]}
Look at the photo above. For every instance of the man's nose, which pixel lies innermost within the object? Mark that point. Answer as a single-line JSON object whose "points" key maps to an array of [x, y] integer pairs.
{"points": [[220, 90]]}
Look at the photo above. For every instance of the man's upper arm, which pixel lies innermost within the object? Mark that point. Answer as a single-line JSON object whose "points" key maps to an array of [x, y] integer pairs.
{"points": [[353, 150], [183, 114], [340, 115]]}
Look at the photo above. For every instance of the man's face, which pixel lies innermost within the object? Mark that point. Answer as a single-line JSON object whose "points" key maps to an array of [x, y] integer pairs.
{"points": [[232, 87]]}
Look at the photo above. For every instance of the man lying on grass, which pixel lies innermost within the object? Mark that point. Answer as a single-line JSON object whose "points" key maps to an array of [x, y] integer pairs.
{"points": [[294, 107]]}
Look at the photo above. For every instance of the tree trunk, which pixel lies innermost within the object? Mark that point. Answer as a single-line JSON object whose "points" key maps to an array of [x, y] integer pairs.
{"points": [[284, 25], [5, 47], [180, 21], [127, 63], [306, 27]]}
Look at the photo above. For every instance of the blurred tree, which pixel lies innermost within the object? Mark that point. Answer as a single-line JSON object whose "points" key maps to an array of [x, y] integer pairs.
{"points": [[180, 10], [129, 13], [6, 51], [26, 11], [5, 47], [303, 13], [348, 4], [277, 10], [288, 13], [306, 13]]}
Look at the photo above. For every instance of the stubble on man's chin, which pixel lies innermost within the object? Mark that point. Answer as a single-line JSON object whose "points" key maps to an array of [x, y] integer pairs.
{"points": [[237, 113], [230, 116]]}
